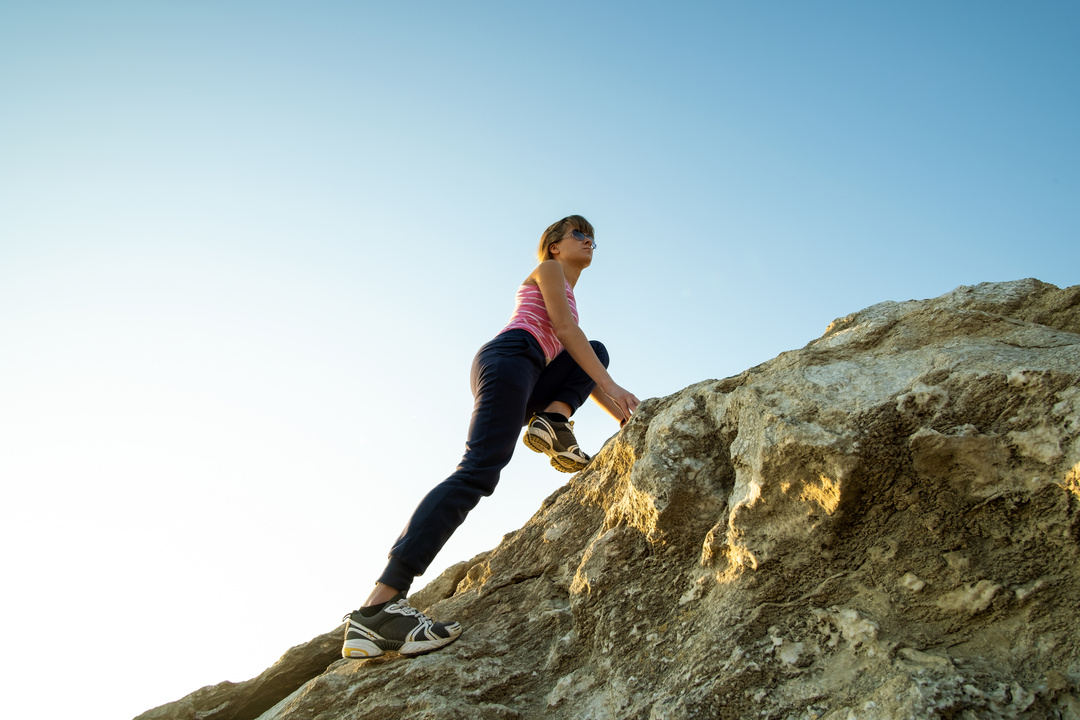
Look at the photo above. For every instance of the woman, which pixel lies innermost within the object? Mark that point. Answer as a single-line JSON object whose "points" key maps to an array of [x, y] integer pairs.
{"points": [[537, 371]]}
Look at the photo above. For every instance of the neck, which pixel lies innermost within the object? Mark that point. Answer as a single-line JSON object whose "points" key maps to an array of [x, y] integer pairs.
{"points": [[571, 272]]}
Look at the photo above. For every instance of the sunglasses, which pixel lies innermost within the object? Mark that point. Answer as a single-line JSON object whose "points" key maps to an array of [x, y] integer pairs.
{"points": [[578, 235]]}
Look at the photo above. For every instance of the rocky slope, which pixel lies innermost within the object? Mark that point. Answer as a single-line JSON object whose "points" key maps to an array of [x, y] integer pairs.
{"points": [[883, 524]]}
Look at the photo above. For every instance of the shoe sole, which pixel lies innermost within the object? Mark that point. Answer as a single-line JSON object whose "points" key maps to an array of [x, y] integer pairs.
{"points": [[562, 462], [567, 465], [360, 649], [422, 648]]}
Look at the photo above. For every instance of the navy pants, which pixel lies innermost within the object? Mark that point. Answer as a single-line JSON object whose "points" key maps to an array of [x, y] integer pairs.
{"points": [[509, 382]]}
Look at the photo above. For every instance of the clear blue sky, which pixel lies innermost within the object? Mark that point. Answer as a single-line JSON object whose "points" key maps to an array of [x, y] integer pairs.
{"points": [[247, 251]]}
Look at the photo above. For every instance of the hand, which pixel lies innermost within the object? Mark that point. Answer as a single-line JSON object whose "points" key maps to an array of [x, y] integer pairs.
{"points": [[625, 402]]}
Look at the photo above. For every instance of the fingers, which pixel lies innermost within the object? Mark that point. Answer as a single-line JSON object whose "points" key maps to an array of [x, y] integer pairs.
{"points": [[625, 402]]}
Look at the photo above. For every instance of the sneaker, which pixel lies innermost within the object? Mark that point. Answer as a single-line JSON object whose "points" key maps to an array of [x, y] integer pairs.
{"points": [[555, 439], [398, 626]]}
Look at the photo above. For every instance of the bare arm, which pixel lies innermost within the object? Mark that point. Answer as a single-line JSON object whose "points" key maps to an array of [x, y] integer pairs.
{"points": [[618, 401], [609, 406]]}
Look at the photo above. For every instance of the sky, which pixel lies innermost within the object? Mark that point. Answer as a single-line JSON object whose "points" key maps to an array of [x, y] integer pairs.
{"points": [[248, 250]]}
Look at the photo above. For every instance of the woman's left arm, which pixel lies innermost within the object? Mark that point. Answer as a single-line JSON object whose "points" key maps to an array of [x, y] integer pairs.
{"points": [[618, 401]]}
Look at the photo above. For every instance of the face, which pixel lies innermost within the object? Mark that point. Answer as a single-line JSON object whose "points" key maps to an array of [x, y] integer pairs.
{"points": [[575, 245]]}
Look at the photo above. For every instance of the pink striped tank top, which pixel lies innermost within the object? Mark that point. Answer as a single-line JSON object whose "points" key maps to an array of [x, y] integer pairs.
{"points": [[530, 314]]}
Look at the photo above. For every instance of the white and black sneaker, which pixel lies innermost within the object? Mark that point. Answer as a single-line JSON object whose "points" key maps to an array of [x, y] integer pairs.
{"points": [[555, 438], [396, 626]]}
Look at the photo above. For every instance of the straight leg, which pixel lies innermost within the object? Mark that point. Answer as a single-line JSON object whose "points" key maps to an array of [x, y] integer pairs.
{"points": [[503, 376]]}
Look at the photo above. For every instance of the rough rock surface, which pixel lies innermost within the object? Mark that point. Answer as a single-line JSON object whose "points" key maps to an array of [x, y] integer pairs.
{"points": [[883, 524]]}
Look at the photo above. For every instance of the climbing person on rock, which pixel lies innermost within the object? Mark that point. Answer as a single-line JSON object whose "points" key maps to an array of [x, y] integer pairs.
{"points": [[536, 372]]}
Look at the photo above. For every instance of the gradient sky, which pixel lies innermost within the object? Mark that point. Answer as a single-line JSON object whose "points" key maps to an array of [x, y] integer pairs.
{"points": [[247, 252]]}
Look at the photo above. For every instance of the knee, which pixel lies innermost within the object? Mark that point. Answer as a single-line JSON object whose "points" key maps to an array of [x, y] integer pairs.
{"points": [[601, 351]]}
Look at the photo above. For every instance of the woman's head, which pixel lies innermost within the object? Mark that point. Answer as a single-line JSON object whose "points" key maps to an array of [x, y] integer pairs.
{"points": [[557, 231]]}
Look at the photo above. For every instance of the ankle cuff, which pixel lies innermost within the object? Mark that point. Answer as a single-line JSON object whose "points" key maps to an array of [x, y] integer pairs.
{"points": [[398, 575]]}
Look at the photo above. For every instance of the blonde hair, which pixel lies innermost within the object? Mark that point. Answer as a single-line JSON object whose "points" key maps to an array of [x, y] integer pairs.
{"points": [[556, 231]]}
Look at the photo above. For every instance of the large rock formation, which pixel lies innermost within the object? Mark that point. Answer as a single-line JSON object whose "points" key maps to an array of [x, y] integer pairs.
{"points": [[883, 524]]}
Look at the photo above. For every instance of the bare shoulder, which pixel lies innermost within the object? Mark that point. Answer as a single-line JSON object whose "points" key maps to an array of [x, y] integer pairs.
{"points": [[547, 274]]}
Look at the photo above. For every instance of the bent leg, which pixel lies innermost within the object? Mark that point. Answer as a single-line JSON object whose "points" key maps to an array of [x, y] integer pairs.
{"points": [[564, 381]]}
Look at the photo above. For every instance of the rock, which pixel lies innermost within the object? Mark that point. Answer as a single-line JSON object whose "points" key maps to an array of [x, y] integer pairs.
{"points": [[882, 524]]}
